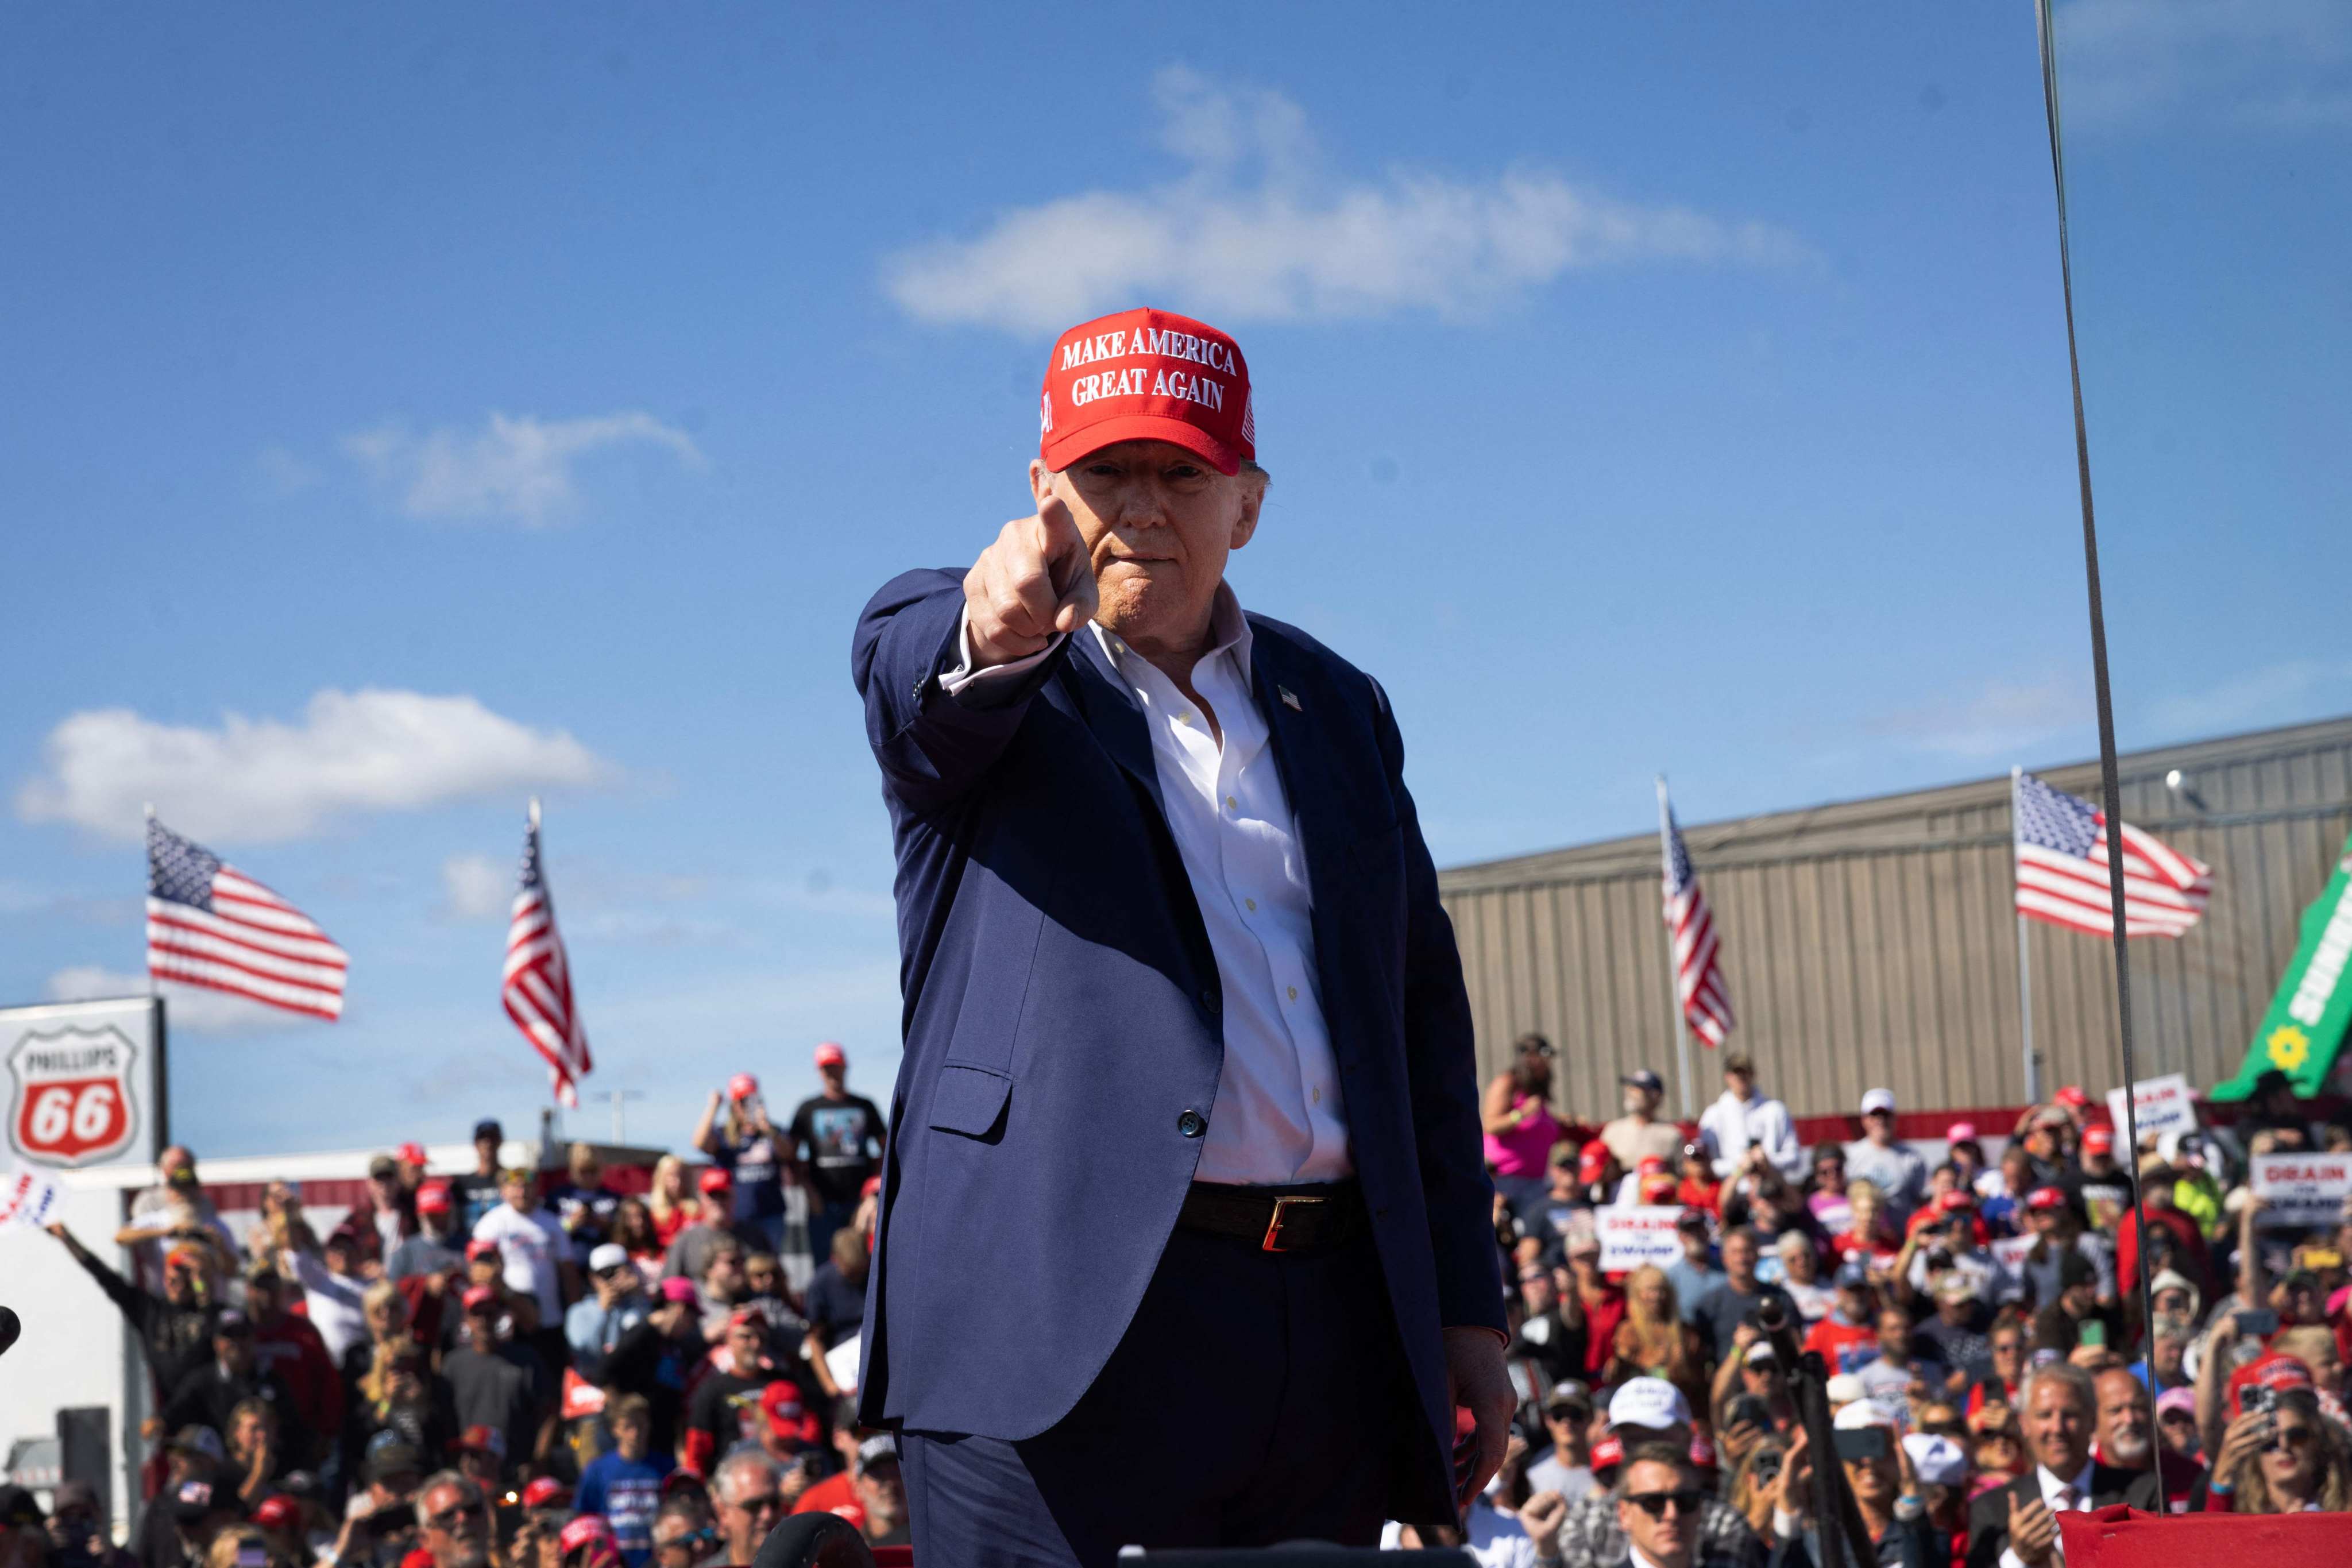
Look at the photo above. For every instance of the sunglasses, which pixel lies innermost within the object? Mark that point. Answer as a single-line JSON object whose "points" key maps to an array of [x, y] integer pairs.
{"points": [[1568, 1412], [1686, 1501], [771, 1502], [2290, 1438], [449, 1516]]}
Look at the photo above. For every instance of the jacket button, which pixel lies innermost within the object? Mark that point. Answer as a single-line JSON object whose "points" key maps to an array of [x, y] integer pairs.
{"points": [[1209, 1002], [1192, 1124]]}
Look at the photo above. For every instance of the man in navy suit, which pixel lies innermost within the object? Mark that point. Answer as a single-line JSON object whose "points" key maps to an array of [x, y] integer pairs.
{"points": [[1186, 1238]]}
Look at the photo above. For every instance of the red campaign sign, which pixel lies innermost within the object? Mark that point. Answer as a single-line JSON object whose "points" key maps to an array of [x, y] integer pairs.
{"points": [[73, 1101]]}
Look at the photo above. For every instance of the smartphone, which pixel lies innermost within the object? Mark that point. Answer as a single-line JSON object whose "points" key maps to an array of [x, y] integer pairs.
{"points": [[2257, 1398], [2262, 1323], [1863, 1443], [1750, 1409], [2093, 1332]]}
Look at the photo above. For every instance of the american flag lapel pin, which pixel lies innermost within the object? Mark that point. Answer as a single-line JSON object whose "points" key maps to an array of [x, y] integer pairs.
{"points": [[1291, 698]]}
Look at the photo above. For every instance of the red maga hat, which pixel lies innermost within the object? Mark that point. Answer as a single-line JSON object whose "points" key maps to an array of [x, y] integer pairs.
{"points": [[1147, 375], [412, 1154], [2098, 1140], [829, 1055], [546, 1491], [714, 1180], [433, 1197], [742, 1086], [2045, 1198]]}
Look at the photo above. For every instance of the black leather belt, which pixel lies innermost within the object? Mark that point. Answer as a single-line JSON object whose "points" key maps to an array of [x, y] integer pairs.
{"points": [[1299, 1219]]}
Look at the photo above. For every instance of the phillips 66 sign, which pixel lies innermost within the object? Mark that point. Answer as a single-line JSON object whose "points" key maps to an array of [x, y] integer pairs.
{"points": [[84, 1082]]}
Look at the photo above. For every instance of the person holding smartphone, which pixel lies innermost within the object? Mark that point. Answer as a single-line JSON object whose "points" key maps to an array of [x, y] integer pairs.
{"points": [[1878, 1471]]}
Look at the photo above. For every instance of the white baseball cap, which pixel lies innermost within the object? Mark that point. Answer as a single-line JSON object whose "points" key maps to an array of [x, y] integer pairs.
{"points": [[611, 1255], [1936, 1459], [1651, 1401], [1862, 1413], [1846, 1388], [1878, 1099]]}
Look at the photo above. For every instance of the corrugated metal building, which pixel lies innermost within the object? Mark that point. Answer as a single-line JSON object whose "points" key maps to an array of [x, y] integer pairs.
{"points": [[1873, 942]]}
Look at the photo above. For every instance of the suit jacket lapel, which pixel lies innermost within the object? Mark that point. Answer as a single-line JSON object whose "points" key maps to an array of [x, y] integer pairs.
{"points": [[1110, 711]]}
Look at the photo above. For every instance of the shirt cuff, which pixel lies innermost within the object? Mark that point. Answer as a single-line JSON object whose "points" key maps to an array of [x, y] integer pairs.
{"points": [[2008, 1557], [954, 681]]}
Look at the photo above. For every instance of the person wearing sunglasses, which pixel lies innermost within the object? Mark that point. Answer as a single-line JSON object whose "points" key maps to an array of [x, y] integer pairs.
{"points": [[2281, 1459], [750, 1502], [684, 1536], [453, 1519], [1878, 1471], [1658, 1500]]}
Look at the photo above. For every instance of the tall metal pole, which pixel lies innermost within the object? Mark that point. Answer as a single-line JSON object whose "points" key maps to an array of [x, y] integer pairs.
{"points": [[2025, 961], [1673, 982]]}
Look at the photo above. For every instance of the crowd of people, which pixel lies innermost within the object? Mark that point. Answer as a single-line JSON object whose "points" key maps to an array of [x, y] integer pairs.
{"points": [[536, 1369], [1979, 1322], [504, 1365]]}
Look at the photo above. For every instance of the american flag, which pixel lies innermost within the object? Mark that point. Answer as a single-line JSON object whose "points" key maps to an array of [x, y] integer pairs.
{"points": [[1698, 974], [538, 986], [210, 925], [2062, 870]]}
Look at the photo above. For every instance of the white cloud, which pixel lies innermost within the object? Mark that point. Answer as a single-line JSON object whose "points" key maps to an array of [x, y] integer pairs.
{"points": [[187, 1009], [2279, 64], [520, 470], [2282, 693], [1995, 720], [260, 780], [1259, 229], [476, 888]]}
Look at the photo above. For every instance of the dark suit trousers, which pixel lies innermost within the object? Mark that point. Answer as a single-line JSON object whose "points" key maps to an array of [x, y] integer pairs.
{"points": [[1256, 1397]]}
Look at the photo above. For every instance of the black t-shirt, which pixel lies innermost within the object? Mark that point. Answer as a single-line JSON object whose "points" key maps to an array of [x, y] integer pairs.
{"points": [[1723, 1309], [501, 1389], [207, 1397], [839, 1135], [835, 1307], [727, 1407], [475, 1195], [646, 1362], [585, 1213]]}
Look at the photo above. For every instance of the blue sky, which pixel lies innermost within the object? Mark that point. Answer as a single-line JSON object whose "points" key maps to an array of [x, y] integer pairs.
{"points": [[408, 411]]}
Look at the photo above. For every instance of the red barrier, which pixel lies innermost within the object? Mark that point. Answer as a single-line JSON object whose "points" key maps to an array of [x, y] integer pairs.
{"points": [[2122, 1537]]}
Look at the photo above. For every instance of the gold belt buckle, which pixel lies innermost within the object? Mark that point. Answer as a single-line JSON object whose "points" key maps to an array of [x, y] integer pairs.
{"points": [[1273, 1241]]}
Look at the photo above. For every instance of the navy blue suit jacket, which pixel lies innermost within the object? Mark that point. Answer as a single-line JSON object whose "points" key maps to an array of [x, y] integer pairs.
{"points": [[1062, 1015]]}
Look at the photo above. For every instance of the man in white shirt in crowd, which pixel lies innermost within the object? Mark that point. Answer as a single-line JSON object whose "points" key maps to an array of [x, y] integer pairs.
{"points": [[533, 1245], [2016, 1526], [1743, 1126], [1567, 1467], [1895, 1168]]}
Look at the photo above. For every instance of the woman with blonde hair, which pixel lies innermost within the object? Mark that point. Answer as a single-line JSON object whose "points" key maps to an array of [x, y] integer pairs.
{"points": [[1654, 1341], [670, 1200], [2285, 1459]]}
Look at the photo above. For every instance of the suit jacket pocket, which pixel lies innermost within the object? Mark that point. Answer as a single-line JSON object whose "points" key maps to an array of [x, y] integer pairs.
{"points": [[969, 1100]]}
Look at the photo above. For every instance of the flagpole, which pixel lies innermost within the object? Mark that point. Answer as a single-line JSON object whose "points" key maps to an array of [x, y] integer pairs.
{"points": [[2024, 957], [1673, 984]]}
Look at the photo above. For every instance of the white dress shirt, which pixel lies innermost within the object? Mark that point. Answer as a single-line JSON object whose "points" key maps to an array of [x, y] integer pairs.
{"points": [[1277, 1118], [2054, 1490]]}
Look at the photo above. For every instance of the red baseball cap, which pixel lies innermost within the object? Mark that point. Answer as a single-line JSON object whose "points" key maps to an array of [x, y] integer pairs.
{"points": [[481, 1247], [1959, 1198], [411, 1153], [2071, 1095], [546, 1491], [1608, 1452], [714, 1180], [584, 1528], [1590, 1166], [742, 1086], [1651, 1165], [1147, 375], [433, 1197], [277, 1512], [479, 1296], [829, 1055], [2045, 1198], [787, 1418], [2098, 1140]]}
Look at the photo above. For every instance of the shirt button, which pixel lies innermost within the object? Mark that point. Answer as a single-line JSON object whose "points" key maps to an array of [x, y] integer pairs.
{"points": [[1250, 904], [1293, 993], [1232, 804], [1184, 717], [1208, 999], [1192, 1124]]}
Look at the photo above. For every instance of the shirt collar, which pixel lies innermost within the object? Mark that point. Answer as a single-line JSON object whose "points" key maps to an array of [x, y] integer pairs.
{"points": [[1229, 632], [2050, 1481]]}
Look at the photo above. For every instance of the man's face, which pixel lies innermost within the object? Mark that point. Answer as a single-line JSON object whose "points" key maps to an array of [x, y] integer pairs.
{"points": [[630, 1434], [1159, 523], [1739, 1084], [1694, 1243], [482, 1327], [835, 1076], [761, 1278], [172, 1161], [235, 1351], [2126, 1419], [385, 1189], [2057, 1427], [180, 1282], [1854, 1303], [1566, 1421], [1879, 1126], [1894, 1333], [723, 1280], [1739, 1258], [2041, 1221], [1534, 1289], [1639, 1101], [747, 1518], [457, 1527], [517, 1193], [586, 1170], [2008, 1356], [338, 1255], [882, 1491], [1664, 1537], [485, 1150], [748, 1344], [1830, 1175]]}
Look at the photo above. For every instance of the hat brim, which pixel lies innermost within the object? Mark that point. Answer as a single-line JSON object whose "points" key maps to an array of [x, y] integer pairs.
{"points": [[1059, 452]]}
